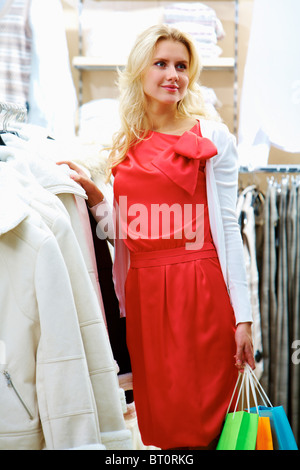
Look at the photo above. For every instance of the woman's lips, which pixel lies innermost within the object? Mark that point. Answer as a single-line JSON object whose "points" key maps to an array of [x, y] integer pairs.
{"points": [[172, 88]]}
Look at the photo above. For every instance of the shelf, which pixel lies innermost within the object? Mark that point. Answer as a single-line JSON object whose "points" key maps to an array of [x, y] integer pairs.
{"points": [[95, 63]]}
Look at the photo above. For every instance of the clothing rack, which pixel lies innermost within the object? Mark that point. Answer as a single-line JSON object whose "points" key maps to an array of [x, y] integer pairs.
{"points": [[11, 112], [272, 224]]}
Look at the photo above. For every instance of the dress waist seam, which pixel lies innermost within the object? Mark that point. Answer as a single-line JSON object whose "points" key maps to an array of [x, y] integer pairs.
{"points": [[171, 256]]}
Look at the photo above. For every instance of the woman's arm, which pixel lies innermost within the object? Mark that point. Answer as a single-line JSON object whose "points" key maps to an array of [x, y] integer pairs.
{"points": [[97, 203], [226, 177], [93, 193], [244, 345]]}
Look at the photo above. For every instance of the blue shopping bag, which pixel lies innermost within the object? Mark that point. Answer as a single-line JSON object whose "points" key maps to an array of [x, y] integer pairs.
{"points": [[282, 434]]}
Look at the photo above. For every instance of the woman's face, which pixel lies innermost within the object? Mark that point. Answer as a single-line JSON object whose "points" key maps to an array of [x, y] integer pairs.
{"points": [[166, 79]]}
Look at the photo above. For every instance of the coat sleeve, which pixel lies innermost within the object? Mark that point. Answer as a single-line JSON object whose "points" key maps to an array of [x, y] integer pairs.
{"points": [[66, 403], [225, 181]]}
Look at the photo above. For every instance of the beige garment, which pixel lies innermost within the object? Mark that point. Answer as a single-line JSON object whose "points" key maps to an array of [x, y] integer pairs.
{"points": [[45, 356], [97, 351]]}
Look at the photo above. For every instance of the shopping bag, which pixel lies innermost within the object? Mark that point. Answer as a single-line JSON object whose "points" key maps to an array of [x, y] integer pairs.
{"points": [[264, 440], [282, 434], [240, 427], [239, 431]]}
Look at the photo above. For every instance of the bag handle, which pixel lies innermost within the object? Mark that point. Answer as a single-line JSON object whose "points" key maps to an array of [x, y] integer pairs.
{"points": [[249, 382], [239, 394], [249, 385], [264, 397]]}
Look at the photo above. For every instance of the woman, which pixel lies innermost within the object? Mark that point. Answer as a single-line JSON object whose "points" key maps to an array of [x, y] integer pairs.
{"points": [[186, 298]]}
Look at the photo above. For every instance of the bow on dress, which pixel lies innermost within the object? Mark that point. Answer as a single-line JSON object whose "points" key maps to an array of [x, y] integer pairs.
{"points": [[181, 162]]}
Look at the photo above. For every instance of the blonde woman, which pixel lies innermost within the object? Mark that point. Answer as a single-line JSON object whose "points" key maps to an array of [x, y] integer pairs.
{"points": [[178, 270]]}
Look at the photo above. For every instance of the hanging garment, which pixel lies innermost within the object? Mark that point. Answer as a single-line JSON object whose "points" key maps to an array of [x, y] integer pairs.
{"points": [[45, 358], [16, 50], [245, 212], [80, 220], [97, 253], [270, 104], [52, 94], [116, 326], [40, 153], [282, 358], [279, 293], [268, 293], [292, 232], [165, 308], [98, 352], [295, 318]]}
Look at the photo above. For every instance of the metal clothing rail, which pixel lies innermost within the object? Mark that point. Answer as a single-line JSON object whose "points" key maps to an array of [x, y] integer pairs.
{"points": [[270, 169]]}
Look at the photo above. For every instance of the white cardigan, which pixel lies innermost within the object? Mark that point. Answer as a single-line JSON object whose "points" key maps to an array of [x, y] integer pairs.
{"points": [[221, 180]]}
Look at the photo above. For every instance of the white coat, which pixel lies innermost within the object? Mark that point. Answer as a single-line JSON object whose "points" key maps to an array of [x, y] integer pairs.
{"points": [[65, 390]]}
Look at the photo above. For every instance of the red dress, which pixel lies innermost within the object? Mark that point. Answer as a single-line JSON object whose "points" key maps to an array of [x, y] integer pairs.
{"points": [[180, 323]]}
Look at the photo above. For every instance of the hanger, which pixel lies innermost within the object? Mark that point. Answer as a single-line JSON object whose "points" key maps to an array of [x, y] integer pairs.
{"points": [[10, 112]]}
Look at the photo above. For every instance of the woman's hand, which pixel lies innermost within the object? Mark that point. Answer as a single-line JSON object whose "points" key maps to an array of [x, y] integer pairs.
{"points": [[244, 346], [92, 191]]}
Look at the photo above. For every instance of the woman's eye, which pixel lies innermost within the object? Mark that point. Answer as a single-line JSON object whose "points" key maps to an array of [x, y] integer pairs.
{"points": [[181, 66], [160, 63], [163, 64]]}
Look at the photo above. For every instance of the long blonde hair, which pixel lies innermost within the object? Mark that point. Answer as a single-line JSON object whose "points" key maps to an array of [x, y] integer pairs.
{"points": [[134, 122]]}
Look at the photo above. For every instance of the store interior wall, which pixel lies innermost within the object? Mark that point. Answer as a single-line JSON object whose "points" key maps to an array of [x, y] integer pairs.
{"points": [[101, 84]]}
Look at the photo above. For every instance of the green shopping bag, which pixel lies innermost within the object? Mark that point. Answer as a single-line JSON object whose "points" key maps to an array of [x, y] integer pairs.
{"points": [[240, 427], [239, 431]]}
